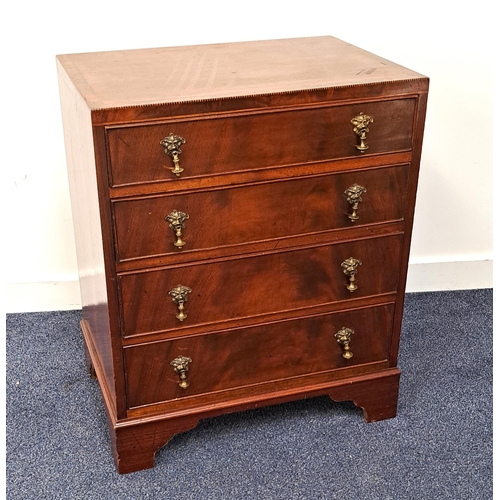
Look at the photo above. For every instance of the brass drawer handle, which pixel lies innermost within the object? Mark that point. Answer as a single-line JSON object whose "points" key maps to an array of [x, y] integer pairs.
{"points": [[350, 268], [343, 337], [353, 194], [179, 296], [361, 123], [176, 221], [181, 366], [172, 145]]}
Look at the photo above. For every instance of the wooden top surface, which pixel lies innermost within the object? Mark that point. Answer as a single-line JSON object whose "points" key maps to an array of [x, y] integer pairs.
{"points": [[179, 74]]}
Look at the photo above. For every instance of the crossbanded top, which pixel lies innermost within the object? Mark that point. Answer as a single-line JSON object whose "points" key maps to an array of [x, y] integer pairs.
{"points": [[181, 74]]}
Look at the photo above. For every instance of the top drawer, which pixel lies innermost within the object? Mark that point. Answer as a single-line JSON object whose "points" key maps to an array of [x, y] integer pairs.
{"points": [[240, 142]]}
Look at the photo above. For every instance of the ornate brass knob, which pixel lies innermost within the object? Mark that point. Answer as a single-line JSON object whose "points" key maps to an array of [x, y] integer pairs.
{"points": [[353, 194], [172, 145], [350, 268], [179, 296], [361, 123], [181, 366], [343, 337], [176, 221]]}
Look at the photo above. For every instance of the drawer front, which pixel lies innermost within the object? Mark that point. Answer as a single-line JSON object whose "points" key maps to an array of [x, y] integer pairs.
{"points": [[258, 285], [249, 214], [255, 355], [218, 145]]}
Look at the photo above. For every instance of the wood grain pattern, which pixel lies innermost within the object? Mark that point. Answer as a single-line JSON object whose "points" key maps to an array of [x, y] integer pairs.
{"points": [[88, 227], [255, 355], [228, 217], [242, 142], [170, 74], [256, 286], [271, 174]]}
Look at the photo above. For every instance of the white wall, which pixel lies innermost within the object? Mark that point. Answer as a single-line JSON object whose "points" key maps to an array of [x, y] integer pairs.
{"points": [[452, 241]]}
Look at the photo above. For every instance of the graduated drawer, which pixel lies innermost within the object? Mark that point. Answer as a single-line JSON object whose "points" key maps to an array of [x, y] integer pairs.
{"points": [[243, 215], [256, 355], [243, 288], [241, 142]]}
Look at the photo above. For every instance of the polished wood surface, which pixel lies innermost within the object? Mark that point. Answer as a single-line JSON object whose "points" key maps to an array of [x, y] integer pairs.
{"points": [[216, 145], [256, 355], [220, 71], [88, 231], [257, 286], [247, 214], [269, 153]]}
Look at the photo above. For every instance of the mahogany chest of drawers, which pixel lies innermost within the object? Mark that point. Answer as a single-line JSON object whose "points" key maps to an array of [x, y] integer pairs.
{"points": [[243, 215]]}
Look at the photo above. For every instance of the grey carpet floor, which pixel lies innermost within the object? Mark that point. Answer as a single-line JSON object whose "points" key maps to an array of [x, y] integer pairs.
{"points": [[439, 445]]}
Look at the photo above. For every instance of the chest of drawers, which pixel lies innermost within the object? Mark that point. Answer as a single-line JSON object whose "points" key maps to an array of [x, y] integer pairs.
{"points": [[242, 216]]}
